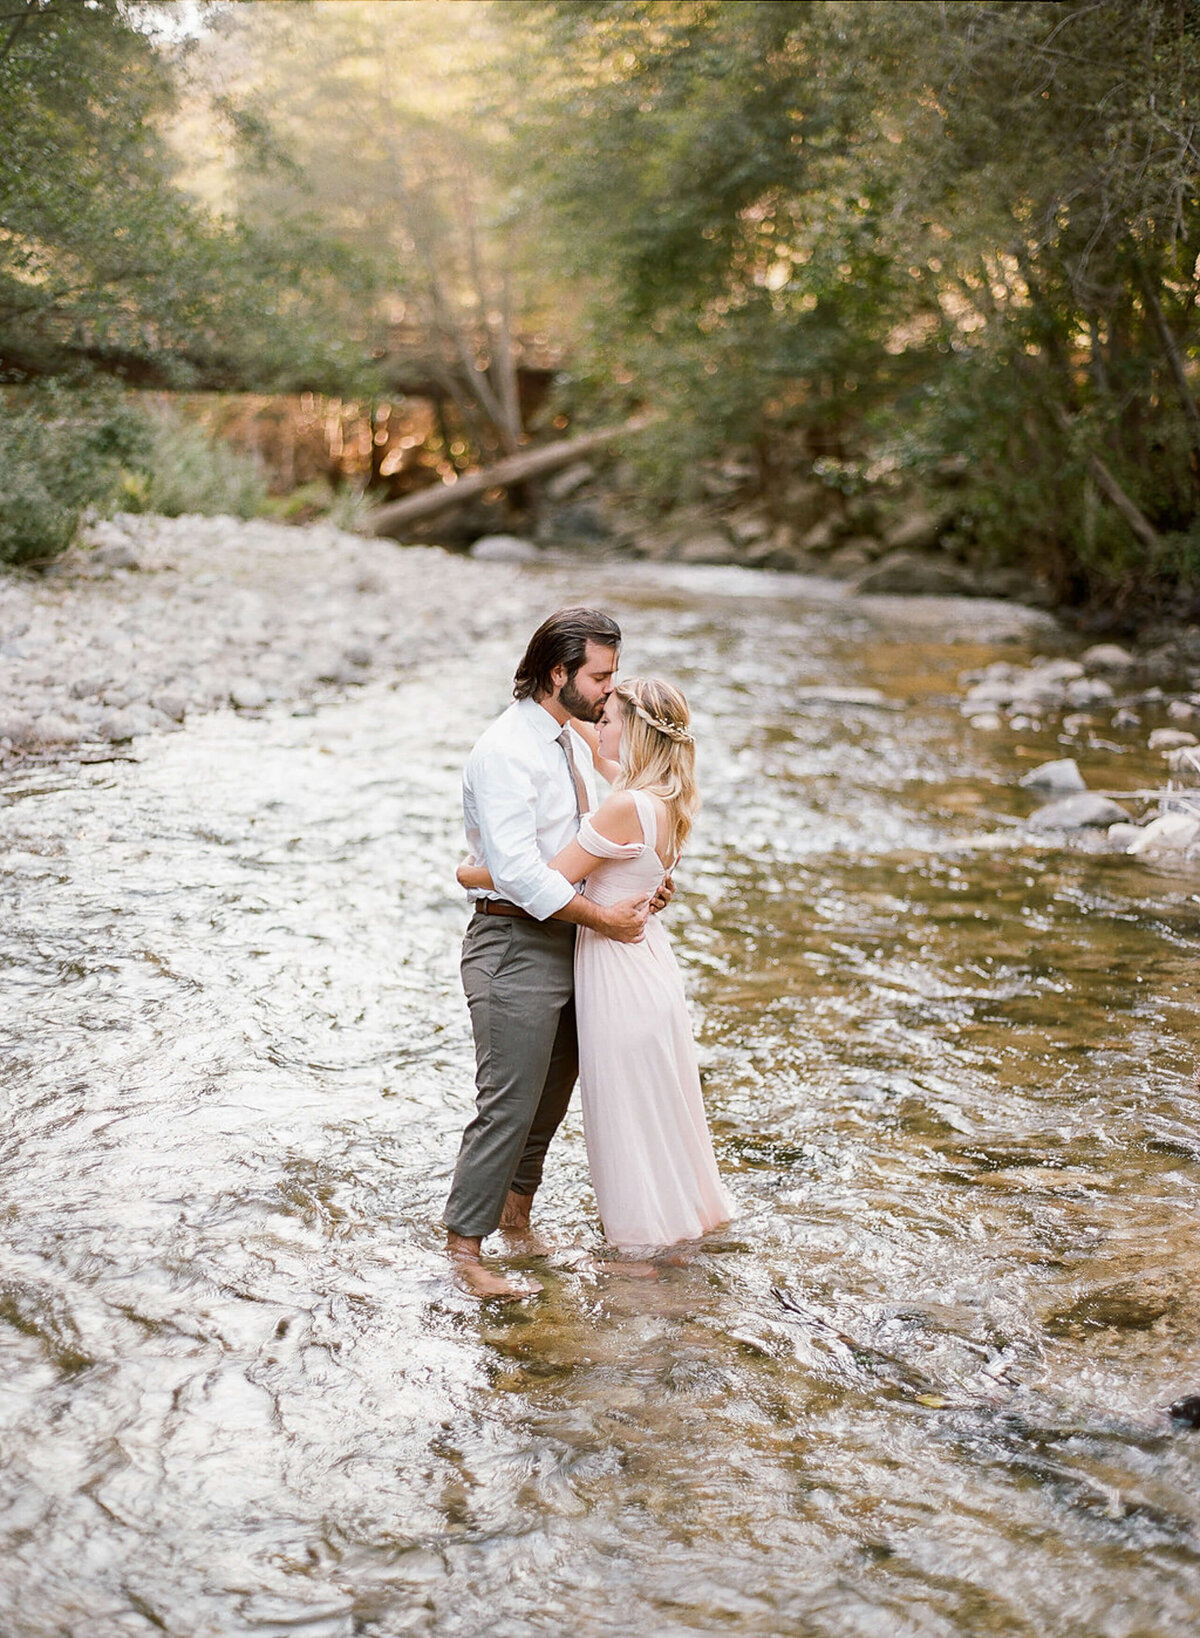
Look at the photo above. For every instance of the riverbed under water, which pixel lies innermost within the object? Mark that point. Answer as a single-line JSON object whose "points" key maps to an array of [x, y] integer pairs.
{"points": [[917, 1388]]}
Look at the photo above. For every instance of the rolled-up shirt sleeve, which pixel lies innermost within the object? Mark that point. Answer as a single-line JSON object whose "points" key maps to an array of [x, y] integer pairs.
{"points": [[506, 813]]}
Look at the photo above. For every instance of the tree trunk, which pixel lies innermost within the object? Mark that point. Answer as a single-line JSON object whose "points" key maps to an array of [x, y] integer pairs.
{"points": [[533, 463], [1175, 361]]}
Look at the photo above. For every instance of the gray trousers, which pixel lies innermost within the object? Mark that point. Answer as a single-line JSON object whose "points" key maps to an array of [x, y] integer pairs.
{"points": [[519, 978]]}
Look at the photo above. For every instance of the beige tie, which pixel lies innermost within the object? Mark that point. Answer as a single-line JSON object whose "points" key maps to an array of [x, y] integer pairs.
{"points": [[581, 796]]}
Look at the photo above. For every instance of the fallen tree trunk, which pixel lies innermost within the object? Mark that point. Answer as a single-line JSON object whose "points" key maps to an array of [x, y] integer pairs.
{"points": [[531, 463]]}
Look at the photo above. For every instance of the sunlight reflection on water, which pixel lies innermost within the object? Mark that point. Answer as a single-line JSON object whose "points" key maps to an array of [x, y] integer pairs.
{"points": [[917, 1387]]}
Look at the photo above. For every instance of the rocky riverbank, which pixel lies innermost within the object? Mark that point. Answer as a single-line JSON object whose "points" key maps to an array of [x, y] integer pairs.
{"points": [[1111, 699], [157, 619], [153, 620], [881, 542]]}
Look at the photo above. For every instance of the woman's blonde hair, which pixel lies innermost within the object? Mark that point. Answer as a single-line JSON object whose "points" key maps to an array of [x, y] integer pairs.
{"points": [[658, 753]]}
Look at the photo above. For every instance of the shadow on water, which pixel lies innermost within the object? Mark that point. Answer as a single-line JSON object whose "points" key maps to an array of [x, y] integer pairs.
{"points": [[916, 1388]]}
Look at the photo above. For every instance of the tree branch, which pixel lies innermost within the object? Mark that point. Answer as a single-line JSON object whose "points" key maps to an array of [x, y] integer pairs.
{"points": [[1113, 492]]}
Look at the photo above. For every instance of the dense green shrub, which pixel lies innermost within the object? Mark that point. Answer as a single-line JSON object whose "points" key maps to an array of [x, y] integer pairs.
{"points": [[61, 453], [182, 468]]}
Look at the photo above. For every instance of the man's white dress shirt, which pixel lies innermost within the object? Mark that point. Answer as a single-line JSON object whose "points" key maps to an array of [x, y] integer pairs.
{"points": [[519, 806]]}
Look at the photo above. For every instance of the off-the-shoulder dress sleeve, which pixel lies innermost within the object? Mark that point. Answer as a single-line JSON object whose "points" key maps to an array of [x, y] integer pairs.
{"points": [[591, 841]]}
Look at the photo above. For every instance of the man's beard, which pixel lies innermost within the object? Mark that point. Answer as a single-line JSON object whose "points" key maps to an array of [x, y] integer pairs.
{"points": [[573, 701]]}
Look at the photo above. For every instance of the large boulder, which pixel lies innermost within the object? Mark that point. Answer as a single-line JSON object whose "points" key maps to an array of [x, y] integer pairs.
{"points": [[1014, 586], [712, 545], [847, 561], [913, 531], [749, 527], [823, 536], [903, 574], [807, 502]]}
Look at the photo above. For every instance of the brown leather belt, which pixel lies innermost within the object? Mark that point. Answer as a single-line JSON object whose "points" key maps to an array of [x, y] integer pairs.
{"points": [[499, 907]]}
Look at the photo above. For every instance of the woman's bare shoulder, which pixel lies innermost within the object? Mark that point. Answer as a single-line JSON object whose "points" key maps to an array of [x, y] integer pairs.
{"points": [[617, 817]]}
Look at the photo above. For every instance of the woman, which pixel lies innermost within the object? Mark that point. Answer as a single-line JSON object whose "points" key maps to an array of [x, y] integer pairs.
{"points": [[648, 1144]]}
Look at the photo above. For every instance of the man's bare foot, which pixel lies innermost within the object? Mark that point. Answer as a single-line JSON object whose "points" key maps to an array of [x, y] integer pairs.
{"points": [[471, 1275], [515, 1214], [478, 1281]]}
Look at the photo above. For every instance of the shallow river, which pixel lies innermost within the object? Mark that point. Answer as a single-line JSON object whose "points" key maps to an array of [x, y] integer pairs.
{"points": [[917, 1388]]}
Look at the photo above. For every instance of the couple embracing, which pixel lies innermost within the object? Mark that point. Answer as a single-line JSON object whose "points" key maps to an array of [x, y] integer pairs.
{"points": [[566, 969]]}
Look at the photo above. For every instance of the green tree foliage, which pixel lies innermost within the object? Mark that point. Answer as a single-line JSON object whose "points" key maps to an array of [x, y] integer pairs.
{"points": [[105, 264], [905, 231], [394, 122]]}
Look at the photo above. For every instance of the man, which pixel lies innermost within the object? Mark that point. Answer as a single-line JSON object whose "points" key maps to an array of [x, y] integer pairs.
{"points": [[526, 784]]}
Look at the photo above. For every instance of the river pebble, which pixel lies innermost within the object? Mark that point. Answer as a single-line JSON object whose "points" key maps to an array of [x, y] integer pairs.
{"points": [[1062, 776], [1169, 833], [1082, 694], [224, 614], [1171, 739]]}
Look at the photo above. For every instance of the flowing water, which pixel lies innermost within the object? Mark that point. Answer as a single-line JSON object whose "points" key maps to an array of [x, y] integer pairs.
{"points": [[917, 1388]]}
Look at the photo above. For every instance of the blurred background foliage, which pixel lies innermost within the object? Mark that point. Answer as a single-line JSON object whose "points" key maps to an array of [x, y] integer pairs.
{"points": [[943, 251]]}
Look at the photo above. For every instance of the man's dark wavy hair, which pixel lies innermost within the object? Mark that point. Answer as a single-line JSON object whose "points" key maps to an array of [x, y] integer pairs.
{"points": [[562, 640]]}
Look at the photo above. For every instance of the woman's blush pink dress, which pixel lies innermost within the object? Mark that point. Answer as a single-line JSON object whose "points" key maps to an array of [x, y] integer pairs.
{"points": [[648, 1143]]}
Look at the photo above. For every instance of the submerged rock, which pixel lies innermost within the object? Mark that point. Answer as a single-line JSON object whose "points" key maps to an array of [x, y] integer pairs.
{"points": [[1169, 833], [1089, 691], [1108, 657], [1060, 776], [1083, 811]]}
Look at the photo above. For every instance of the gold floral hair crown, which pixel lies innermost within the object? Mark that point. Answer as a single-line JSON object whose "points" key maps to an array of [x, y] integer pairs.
{"points": [[672, 730]]}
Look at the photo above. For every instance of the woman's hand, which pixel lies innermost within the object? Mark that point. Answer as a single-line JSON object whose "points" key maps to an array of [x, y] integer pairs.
{"points": [[663, 895]]}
